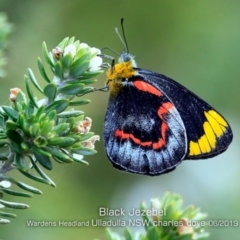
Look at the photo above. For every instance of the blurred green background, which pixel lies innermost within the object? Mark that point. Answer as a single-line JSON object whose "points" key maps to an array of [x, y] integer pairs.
{"points": [[194, 42]]}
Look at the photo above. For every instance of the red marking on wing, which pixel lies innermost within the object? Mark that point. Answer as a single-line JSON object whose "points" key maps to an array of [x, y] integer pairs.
{"points": [[164, 109], [143, 86], [122, 135]]}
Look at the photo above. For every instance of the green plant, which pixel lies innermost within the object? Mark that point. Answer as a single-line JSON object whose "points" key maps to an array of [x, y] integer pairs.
{"points": [[35, 132], [166, 220], [5, 30]]}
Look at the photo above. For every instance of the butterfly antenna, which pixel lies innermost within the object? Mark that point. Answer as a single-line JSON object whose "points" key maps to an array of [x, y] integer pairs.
{"points": [[123, 40], [110, 49], [124, 37]]}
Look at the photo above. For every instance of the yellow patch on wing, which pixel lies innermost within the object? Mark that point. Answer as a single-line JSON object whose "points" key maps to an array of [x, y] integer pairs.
{"points": [[194, 148], [214, 128], [217, 122]]}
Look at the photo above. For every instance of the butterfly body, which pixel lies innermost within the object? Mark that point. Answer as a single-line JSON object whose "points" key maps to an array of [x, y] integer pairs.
{"points": [[153, 123]]}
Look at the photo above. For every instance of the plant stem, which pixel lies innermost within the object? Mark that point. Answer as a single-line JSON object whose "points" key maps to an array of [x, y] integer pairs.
{"points": [[6, 166]]}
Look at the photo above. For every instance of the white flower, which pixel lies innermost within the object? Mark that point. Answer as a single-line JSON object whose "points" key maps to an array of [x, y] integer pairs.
{"points": [[83, 45], [95, 64], [5, 184], [94, 50], [70, 49]]}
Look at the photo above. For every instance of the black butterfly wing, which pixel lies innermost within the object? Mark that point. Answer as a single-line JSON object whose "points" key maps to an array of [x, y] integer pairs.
{"points": [[208, 133], [143, 131]]}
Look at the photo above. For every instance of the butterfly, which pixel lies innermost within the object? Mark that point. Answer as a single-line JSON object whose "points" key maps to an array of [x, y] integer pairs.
{"points": [[153, 123]]}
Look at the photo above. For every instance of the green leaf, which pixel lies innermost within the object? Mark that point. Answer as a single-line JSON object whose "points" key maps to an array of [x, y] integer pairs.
{"points": [[84, 151], [9, 215], [77, 69], [20, 162], [71, 120], [16, 147], [2, 113], [41, 173], [61, 127], [3, 157], [71, 89], [23, 124], [34, 80], [188, 236], [29, 109], [42, 70], [39, 113], [152, 233], [14, 136], [88, 75], [11, 125], [14, 205], [3, 136], [87, 81], [112, 235], [58, 154], [18, 106], [2, 119], [51, 115], [42, 118], [10, 112], [77, 137], [43, 160], [61, 141], [34, 129], [29, 91], [71, 40], [57, 160], [68, 114], [50, 91], [80, 161], [16, 193], [35, 178], [67, 61], [81, 52], [40, 151], [24, 186], [20, 97], [76, 43], [144, 216], [59, 105], [80, 102], [127, 234], [46, 55], [83, 58], [59, 70], [63, 43], [87, 90], [86, 136], [47, 127]]}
